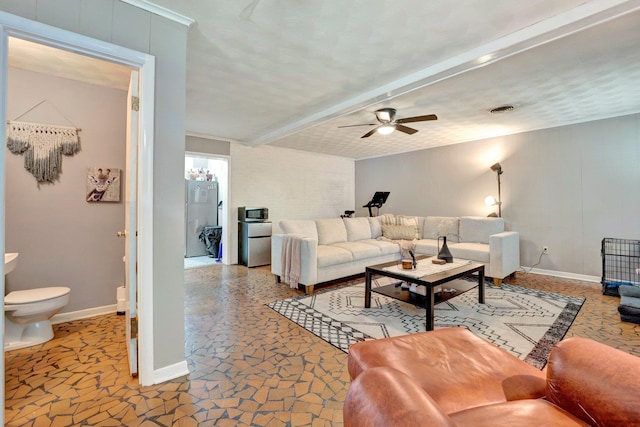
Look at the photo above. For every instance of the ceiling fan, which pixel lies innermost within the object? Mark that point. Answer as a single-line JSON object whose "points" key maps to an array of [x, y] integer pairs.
{"points": [[387, 122]]}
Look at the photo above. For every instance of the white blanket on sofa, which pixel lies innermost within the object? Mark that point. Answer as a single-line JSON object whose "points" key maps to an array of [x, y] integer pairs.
{"points": [[405, 245], [291, 259]]}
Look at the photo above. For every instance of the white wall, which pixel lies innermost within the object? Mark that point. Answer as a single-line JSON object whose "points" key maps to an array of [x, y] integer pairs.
{"points": [[292, 184], [62, 239], [566, 188]]}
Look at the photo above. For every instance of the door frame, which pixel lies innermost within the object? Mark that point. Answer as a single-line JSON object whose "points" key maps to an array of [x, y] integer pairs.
{"points": [[11, 25]]}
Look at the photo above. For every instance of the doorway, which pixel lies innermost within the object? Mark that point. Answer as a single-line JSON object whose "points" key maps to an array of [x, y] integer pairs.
{"points": [[67, 42], [205, 168], [46, 97]]}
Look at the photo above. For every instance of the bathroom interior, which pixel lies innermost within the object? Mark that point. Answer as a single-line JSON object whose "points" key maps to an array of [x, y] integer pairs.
{"points": [[69, 260]]}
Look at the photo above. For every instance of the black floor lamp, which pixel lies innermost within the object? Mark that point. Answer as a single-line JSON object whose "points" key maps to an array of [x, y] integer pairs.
{"points": [[490, 200]]}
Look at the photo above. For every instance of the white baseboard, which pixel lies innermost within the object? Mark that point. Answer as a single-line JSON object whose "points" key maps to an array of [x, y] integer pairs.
{"points": [[83, 314], [563, 274], [170, 372]]}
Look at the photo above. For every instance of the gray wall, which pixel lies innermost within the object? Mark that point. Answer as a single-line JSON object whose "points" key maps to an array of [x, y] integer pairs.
{"points": [[62, 239], [125, 25], [197, 144], [566, 188]]}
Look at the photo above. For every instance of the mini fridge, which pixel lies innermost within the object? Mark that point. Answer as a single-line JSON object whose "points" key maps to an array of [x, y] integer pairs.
{"points": [[201, 210], [254, 243]]}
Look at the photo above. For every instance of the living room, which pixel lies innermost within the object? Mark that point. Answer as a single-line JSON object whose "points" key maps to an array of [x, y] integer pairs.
{"points": [[584, 187]]}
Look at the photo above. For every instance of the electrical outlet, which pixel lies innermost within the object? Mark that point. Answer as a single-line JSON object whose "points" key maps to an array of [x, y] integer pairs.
{"points": [[545, 250]]}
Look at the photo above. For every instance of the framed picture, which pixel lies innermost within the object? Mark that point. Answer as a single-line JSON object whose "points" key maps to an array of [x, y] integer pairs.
{"points": [[103, 184]]}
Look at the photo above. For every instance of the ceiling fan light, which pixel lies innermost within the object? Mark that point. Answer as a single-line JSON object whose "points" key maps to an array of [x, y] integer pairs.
{"points": [[386, 115], [386, 129]]}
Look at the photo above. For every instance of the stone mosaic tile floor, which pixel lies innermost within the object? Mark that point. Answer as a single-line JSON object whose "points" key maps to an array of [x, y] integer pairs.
{"points": [[248, 365]]}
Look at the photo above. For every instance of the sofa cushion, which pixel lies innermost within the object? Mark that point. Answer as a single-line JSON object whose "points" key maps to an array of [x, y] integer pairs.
{"points": [[458, 369], [331, 230], [399, 232], [526, 412], [297, 226], [376, 227], [595, 382], [474, 251], [331, 255], [385, 396], [427, 247], [409, 221], [478, 229], [357, 228], [386, 248], [436, 226], [359, 250]]}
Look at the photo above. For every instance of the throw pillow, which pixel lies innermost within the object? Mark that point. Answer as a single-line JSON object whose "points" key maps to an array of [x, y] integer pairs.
{"points": [[399, 232], [388, 219], [410, 221]]}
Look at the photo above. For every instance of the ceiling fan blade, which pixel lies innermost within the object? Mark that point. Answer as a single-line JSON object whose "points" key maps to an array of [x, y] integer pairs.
{"points": [[364, 124], [418, 119], [406, 129], [368, 134]]}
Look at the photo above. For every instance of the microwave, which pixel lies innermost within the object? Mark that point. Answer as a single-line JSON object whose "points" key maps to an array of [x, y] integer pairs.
{"points": [[252, 214]]}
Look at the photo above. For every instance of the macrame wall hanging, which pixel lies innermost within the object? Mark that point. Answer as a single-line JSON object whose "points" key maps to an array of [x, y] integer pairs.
{"points": [[42, 146]]}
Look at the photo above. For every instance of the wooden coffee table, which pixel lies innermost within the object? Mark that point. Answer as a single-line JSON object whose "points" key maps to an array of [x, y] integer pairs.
{"points": [[430, 281]]}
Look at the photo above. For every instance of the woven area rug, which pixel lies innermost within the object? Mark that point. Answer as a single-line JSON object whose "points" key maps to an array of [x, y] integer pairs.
{"points": [[525, 322]]}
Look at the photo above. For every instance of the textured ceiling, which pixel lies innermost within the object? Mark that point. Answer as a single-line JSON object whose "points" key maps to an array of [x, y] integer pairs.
{"points": [[289, 72], [575, 79], [254, 71]]}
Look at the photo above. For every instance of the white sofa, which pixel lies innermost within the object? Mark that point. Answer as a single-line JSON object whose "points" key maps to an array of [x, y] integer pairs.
{"points": [[336, 248]]}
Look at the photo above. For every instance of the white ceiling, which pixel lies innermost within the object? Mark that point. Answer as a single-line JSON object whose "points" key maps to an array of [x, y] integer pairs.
{"points": [[36, 57], [289, 72]]}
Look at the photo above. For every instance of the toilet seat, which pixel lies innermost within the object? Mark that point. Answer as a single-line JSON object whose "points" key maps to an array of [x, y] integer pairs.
{"points": [[30, 296]]}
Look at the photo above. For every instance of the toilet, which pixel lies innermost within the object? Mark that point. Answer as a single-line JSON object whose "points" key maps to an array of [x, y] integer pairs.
{"points": [[28, 313]]}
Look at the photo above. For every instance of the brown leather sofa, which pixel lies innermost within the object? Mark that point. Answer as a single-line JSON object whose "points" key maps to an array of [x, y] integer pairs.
{"points": [[450, 377]]}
